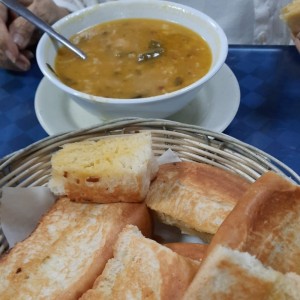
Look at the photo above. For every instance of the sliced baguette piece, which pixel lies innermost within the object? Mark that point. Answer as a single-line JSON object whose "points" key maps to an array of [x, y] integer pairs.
{"points": [[291, 15], [112, 169], [195, 197], [230, 274], [142, 269], [266, 223], [192, 250], [68, 250]]}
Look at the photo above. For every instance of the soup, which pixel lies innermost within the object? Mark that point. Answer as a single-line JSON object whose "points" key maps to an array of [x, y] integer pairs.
{"points": [[134, 58]]}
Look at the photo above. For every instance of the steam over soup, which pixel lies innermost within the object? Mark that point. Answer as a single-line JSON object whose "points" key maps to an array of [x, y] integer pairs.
{"points": [[134, 58]]}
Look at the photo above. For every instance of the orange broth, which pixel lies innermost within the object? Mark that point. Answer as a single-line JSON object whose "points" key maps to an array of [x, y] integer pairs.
{"points": [[171, 57]]}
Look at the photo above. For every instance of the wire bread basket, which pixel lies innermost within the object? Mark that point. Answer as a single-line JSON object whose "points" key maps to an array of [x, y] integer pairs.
{"points": [[31, 165]]}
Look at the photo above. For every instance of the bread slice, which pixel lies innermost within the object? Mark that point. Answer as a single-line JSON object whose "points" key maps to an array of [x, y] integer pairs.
{"points": [[291, 15], [142, 269], [230, 274], [68, 250], [266, 223], [191, 250], [112, 169], [195, 197]]}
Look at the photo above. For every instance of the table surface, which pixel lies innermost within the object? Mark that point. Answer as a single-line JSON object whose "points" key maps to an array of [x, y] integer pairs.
{"points": [[268, 117]]}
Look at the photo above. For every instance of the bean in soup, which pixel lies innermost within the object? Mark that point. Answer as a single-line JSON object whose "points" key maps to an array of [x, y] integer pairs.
{"points": [[134, 58]]}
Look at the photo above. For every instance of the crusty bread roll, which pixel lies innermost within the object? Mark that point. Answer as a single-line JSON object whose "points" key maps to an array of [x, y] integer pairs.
{"points": [[195, 197], [229, 274], [112, 169], [291, 15], [192, 250], [142, 269], [266, 223], [68, 250]]}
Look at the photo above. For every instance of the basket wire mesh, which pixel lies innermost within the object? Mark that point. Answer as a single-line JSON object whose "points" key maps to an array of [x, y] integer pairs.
{"points": [[31, 166]]}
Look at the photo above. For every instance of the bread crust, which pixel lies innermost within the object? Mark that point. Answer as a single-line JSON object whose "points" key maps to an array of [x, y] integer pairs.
{"points": [[195, 197], [68, 250], [191, 250], [265, 223]]}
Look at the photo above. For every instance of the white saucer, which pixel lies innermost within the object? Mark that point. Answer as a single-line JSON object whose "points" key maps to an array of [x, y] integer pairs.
{"points": [[214, 107]]}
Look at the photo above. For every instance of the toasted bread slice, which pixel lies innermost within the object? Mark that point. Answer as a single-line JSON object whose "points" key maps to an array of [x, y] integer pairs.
{"points": [[112, 169], [68, 250], [291, 15], [195, 197], [266, 223], [142, 269], [229, 274]]}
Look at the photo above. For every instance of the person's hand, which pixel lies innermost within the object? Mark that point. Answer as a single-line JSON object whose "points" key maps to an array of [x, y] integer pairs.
{"points": [[17, 35], [296, 39]]}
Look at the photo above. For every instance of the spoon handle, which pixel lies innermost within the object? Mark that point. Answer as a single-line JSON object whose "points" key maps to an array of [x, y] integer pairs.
{"points": [[28, 15]]}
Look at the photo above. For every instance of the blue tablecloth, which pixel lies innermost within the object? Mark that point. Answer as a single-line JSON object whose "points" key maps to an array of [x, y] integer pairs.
{"points": [[268, 117]]}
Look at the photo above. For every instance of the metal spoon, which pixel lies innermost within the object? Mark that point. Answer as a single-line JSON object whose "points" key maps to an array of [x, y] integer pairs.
{"points": [[29, 16]]}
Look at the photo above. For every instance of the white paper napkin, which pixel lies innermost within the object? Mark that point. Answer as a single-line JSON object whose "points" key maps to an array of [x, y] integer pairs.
{"points": [[21, 210]]}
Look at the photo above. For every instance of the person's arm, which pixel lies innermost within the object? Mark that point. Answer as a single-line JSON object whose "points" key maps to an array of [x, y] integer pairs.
{"points": [[17, 34], [290, 14]]}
